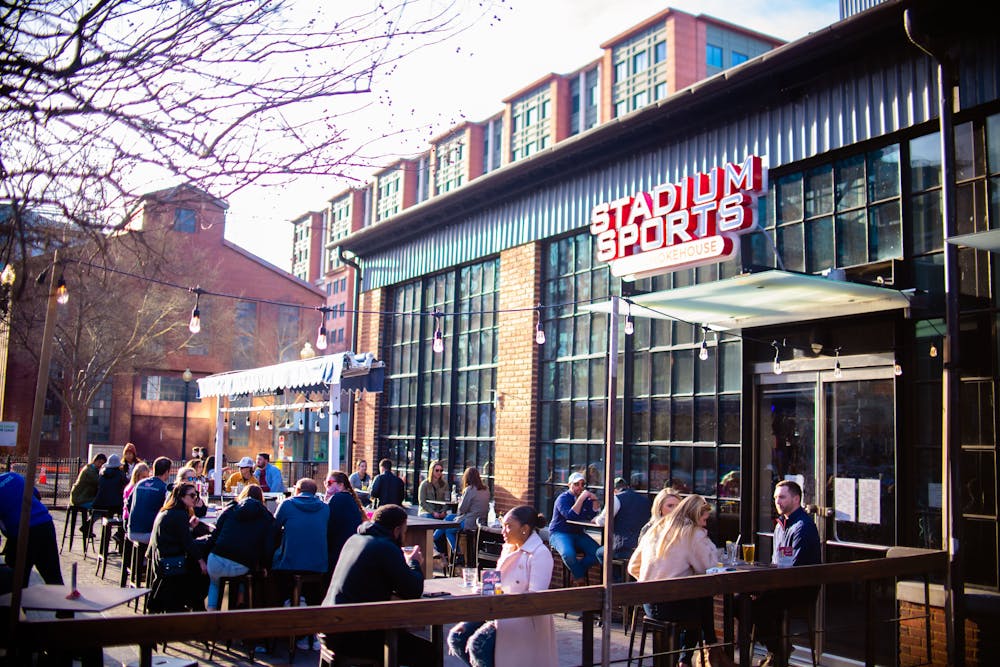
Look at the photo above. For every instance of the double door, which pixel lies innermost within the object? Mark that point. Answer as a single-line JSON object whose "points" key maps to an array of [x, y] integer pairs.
{"points": [[834, 432]]}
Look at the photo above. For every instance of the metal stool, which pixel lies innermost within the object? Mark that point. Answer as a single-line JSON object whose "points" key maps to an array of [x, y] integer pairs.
{"points": [[299, 580], [109, 525], [668, 630], [464, 541], [70, 524], [232, 586]]}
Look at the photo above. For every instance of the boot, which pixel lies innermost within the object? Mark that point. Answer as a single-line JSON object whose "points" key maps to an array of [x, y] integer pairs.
{"points": [[717, 657]]}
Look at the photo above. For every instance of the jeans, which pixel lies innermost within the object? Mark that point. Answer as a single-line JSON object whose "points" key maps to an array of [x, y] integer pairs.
{"points": [[473, 642], [568, 545], [687, 611], [219, 567], [450, 533]]}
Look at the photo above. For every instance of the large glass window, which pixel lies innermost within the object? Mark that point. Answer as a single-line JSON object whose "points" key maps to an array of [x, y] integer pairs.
{"points": [[166, 388], [99, 415], [530, 122], [185, 220], [245, 335], [640, 66], [440, 405]]}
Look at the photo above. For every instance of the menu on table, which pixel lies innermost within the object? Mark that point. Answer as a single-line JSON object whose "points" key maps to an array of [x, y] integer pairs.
{"points": [[491, 582]]}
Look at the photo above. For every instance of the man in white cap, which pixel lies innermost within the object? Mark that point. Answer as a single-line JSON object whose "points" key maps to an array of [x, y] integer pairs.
{"points": [[574, 504], [242, 476]]}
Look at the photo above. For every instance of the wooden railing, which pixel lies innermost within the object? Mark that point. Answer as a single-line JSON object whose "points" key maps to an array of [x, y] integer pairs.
{"points": [[285, 622]]}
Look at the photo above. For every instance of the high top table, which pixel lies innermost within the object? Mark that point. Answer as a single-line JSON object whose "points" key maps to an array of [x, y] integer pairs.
{"points": [[420, 532]]}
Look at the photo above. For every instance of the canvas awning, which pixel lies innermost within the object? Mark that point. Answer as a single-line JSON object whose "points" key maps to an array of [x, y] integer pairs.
{"points": [[762, 299], [988, 240], [351, 371]]}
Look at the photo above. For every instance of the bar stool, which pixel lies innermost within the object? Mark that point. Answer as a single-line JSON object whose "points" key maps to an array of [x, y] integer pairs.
{"points": [[327, 658], [69, 525], [662, 630], [232, 586], [464, 541], [299, 581], [88, 532], [109, 526]]}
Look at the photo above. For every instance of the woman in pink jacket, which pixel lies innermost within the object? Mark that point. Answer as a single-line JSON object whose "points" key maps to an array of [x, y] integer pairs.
{"points": [[525, 566], [677, 545]]}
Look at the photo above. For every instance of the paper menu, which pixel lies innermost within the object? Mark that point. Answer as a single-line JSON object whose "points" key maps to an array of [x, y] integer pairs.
{"points": [[844, 497], [869, 501], [491, 582]]}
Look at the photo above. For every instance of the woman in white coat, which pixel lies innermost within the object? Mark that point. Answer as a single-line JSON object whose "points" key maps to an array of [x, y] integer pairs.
{"points": [[525, 566]]}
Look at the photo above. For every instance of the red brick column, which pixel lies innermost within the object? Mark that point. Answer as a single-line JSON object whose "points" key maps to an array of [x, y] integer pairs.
{"points": [[517, 377], [371, 328]]}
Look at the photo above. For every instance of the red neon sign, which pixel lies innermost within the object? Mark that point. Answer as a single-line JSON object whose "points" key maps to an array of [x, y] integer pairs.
{"points": [[679, 225]]}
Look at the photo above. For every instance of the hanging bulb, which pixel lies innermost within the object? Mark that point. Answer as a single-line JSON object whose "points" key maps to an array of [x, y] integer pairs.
{"points": [[256, 425], [777, 358], [8, 276], [438, 346], [703, 352], [288, 422], [302, 424], [321, 337], [321, 413], [62, 293], [897, 369], [225, 420], [248, 419], [777, 367], [194, 326], [933, 351], [838, 372], [629, 326], [336, 432], [317, 427], [232, 425], [270, 424], [539, 332]]}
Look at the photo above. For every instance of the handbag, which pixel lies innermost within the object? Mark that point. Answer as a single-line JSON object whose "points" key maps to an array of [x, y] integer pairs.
{"points": [[171, 566]]}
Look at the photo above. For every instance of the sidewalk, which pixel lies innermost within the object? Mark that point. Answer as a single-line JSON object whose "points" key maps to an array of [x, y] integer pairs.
{"points": [[568, 632]]}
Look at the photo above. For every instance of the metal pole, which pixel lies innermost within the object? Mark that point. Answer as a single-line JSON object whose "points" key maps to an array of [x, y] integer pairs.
{"points": [[41, 387], [184, 427], [609, 477]]}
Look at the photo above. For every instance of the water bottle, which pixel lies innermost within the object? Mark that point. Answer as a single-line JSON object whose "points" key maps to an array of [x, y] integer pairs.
{"points": [[454, 493], [492, 518]]}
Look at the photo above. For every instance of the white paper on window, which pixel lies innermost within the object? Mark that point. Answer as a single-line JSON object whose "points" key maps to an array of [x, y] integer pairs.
{"points": [[844, 497], [869, 501]]}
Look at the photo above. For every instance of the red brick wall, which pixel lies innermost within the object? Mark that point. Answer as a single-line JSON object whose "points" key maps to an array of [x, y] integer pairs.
{"points": [[370, 331], [517, 374], [913, 637]]}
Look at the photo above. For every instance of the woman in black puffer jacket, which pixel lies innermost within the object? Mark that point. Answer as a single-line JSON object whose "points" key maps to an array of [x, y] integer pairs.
{"points": [[240, 542], [172, 536]]}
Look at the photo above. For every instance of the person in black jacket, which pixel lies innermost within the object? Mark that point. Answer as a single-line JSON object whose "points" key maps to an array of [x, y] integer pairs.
{"points": [[346, 514], [372, 568], [239, 544], [111, 483], [172, 537], [387, 488]]}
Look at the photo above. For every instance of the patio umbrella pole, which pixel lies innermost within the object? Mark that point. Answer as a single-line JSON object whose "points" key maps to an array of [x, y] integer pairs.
{"points": [[609, 484]]}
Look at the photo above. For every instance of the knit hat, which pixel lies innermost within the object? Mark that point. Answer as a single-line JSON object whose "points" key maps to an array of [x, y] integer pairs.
{"points": [[114, 461], [245, 462]]}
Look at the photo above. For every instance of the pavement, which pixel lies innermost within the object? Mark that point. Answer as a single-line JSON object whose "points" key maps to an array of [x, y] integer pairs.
{"points": [[568, 630]]}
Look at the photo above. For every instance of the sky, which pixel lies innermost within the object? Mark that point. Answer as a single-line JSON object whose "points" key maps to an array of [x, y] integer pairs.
{"points": [[467, 77]]}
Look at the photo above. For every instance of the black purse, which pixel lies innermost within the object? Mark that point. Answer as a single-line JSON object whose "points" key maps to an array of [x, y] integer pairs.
{"points": [[171, 566]]}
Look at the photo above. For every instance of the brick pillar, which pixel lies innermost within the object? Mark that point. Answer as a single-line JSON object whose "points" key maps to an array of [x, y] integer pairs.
{"points": [[517, 377], [370, 339]]}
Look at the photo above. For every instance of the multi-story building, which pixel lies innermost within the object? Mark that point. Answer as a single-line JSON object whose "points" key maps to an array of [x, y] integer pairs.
{"points": [[795, 253], [307, 246], [252, 314]]}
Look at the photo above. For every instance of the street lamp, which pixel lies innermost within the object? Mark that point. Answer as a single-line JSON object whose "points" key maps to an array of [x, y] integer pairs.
{"points": [[186, 376]]}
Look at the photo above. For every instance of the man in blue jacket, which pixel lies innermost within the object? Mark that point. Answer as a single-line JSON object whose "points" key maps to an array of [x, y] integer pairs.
{"points": [[43, 552], [268, 475], [372, 568], [796, 542], [574, 504], [631, 512], [146, 500], [299, 522]]}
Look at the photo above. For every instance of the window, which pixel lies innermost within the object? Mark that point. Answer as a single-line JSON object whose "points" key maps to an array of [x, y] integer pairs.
{"points": [[99, 415], [735, 58], [184, 220], [534, 108], [640, 62], [713, 55], [167, 388], [640, 68], [52, 410], [244, 335], [288, 333], [659, 52]]}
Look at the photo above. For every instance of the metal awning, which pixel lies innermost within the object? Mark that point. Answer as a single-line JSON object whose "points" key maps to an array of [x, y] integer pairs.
{"points": [[988, 240], [762, 299], [300, 374]]}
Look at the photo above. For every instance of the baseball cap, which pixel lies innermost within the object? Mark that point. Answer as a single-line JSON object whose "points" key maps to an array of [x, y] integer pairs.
{"points": [[574, 478], [245, 462]]}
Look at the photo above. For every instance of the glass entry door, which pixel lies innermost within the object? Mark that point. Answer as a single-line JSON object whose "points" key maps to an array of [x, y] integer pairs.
{"points": [[835, 435]]}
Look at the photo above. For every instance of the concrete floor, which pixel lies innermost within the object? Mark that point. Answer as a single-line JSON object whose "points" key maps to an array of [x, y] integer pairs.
{"points": [[568, 631]]}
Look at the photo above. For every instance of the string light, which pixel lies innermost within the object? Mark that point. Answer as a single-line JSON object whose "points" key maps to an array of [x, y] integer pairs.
{"points": [[777, 357], [317, 427], [703, 352], [8, 276], [248, 419], [232, 424], [321, 340], [838, 372], [194, 326], [62, 292], [288, 422], [629, 326], [302, 424], [933, 352], [539, 332], [438, 345], [336, 427], [256, 425], [270, 424], [897, 369]]}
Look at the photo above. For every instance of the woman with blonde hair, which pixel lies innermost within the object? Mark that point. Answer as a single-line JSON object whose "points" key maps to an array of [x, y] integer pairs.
{"points": [[434, 488], [677, 545], [663, 504]]}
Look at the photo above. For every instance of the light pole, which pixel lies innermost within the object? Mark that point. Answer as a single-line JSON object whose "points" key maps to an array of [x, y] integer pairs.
{"points": [[186, 376]]}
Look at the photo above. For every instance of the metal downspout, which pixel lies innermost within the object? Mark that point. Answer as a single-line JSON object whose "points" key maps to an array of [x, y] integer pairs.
{"points": [[354, 348], [951, 444]]}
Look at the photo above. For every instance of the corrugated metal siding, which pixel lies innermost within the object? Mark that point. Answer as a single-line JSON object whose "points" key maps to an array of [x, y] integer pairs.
{"points": [[866, 102]]}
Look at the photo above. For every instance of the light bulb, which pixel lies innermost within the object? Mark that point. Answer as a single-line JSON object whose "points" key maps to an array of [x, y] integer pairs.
{"points": [[270, 425], [256, 425], [321, 413], [933, 351], [288, 423], [777, 367], [321, 338], [438, 346], [62, 293], [336, 433], [194, 326], [8, 276], [703, 352], [317, 427], [232, 424], [302, 424], [838, 371], [539, 335], [897, 369], [629, 326], [248, 420]]}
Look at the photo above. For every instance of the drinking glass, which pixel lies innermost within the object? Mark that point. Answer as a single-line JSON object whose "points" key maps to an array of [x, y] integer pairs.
{"points": [[749, 551], [731, 553], [470, 576]]}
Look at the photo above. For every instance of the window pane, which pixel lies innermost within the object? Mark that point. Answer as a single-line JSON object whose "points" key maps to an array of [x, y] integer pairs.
{"points": [[705, 471], [789, 197], [925, 162], [926, 233], [852, 242], [885, 240], [819, 244], [883, 173], [790, 247], [850, 178], [819, 192]]}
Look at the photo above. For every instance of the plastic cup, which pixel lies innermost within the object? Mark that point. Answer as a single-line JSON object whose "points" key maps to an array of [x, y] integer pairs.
{"points": [[470, 576], [749, 552], [408, 552]]}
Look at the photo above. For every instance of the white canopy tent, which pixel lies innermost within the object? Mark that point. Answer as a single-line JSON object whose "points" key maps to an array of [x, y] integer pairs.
{"points": [[332, 374]]}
